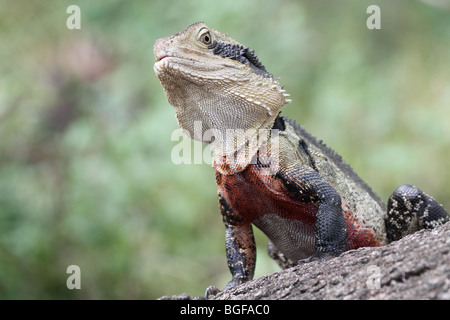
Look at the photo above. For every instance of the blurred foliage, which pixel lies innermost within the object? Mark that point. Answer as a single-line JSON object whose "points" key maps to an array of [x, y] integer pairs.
{"points": [[85, 170]]}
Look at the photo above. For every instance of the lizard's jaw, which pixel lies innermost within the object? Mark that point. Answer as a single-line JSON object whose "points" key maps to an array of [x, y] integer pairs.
{"points": [[162, 59], [161, 65]]}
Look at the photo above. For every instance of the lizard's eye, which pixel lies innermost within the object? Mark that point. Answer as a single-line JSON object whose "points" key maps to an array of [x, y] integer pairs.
{"points": [[205, 38]]}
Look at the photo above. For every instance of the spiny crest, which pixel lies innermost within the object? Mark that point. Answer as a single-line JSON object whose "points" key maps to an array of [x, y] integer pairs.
{"points": [[336, 158]]}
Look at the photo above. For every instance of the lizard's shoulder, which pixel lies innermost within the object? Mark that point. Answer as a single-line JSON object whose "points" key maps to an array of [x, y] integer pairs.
{"points": [[320, 155]]}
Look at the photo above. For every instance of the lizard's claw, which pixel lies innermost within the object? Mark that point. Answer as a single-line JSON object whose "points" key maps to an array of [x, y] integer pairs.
{"points": [[211, 291]]}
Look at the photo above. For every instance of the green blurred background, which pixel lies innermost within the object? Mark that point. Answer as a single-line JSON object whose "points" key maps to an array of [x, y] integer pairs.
{"points": [[86, 176]]}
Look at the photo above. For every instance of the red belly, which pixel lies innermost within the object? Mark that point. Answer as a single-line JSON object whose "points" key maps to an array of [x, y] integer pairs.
{"points": [[253, 194]]}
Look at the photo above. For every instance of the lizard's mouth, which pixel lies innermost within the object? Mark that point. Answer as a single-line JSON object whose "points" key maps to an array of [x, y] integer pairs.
{"points": [[161, 62], [161, 55], [164, 63], [159, 58]]}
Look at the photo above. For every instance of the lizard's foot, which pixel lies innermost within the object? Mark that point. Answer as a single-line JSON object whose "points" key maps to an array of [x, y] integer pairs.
{"points": [[411, 209], [211, 291]]}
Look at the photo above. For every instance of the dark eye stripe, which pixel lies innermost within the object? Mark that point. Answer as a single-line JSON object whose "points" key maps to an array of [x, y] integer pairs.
{"points": [[241, 54]]}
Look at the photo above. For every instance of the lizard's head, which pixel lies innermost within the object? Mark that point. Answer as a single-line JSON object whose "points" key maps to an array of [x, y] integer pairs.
{"points": [[209, 77]]}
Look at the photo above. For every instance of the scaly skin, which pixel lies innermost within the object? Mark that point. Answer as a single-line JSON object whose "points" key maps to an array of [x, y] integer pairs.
{"points": [[270, 172]]}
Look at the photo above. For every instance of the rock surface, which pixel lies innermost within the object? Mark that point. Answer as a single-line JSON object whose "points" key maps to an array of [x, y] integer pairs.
{"points": [[416, 267]]}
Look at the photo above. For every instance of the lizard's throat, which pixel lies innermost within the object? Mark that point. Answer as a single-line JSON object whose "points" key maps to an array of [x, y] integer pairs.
{"points": [[234, 132], [231, 119]]}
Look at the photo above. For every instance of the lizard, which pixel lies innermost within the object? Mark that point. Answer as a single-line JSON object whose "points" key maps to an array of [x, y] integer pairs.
{"points": [[271, 173]]}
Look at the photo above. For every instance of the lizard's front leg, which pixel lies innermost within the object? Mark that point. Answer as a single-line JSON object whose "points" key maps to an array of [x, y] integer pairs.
{"points": [[239, 244], [240, 247], [308, 186], [241, 254]]}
